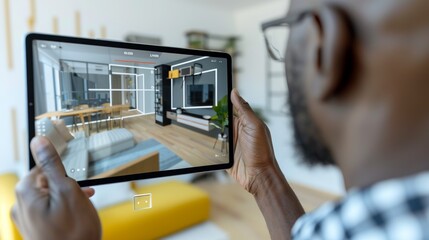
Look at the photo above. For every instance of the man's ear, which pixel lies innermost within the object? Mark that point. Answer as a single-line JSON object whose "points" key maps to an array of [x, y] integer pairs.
{"points": [[333, 56]]}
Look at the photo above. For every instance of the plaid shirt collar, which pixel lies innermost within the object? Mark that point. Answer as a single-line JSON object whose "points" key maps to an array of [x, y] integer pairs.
{"points": [[392, 209]]}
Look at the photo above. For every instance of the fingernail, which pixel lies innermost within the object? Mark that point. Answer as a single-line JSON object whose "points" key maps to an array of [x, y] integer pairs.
{"points": [[42, 150], [236, 92]]}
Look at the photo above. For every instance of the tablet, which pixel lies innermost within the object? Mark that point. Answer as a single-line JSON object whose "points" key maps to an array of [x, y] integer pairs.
{"points": [[118, 111]]}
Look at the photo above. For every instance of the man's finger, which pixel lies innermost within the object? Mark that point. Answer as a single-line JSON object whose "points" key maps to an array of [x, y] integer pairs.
{"points": [[89, 192], [239, 103], [14, 215], [27, 188], [47, 159]]}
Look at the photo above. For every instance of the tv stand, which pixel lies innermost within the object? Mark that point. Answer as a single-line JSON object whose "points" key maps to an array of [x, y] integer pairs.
{"points": [[192, 120]]}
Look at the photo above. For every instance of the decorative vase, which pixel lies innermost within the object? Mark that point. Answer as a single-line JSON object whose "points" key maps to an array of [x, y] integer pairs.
{"points": [[221, 149]]}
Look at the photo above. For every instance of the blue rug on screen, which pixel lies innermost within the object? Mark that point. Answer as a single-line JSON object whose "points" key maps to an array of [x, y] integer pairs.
{"points": [[167, 159]]}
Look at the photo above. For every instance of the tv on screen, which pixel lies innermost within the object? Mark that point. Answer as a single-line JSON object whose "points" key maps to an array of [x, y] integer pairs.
{"points": [[200, 95]]}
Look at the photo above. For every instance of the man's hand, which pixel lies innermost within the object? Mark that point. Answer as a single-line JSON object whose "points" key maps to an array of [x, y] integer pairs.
{"points": [[51, 205], [253, 153], [256, 169]]}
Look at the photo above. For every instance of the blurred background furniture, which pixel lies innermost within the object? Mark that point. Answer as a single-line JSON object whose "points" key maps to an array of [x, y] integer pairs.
{"points": [[189, 206]]}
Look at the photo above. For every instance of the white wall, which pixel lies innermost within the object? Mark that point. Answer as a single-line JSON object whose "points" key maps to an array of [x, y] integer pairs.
{"points": [[251, 84], [168, 19]]}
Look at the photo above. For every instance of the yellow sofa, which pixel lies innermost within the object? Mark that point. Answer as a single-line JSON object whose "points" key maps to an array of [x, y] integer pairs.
{"points": [[176, 205]]}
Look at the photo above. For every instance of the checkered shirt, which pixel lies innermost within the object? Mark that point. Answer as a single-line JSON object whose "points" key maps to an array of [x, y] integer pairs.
{"points": [[392, 209]]}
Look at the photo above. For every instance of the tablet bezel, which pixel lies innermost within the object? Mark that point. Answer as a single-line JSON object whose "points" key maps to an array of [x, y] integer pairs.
{"points": [[133, 46]]}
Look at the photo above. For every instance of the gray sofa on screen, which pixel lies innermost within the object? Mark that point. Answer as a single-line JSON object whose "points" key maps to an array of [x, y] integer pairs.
{"points": [[76, 151]]}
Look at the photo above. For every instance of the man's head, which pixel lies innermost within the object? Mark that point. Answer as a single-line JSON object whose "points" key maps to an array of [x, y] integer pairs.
{"points": [[356, 72]]}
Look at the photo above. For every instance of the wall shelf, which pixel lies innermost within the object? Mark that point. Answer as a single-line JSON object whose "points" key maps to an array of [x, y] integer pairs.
{"points": [[162, 95]]}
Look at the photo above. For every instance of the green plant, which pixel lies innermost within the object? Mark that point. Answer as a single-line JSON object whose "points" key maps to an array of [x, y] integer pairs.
{"points": [[220, 120]]}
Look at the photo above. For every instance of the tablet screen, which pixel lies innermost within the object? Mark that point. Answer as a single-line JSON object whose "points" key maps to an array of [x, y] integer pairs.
{"points": [[113, 111]]}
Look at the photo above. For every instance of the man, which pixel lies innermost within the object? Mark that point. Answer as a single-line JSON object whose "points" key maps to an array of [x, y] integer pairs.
{"points": [[358, 98]]}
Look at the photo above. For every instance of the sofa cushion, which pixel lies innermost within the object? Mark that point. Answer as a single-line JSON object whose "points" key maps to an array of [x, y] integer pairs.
{"points": [[61, 128], [45, 127], [76, 165], [77, 144], [107, 143], [75, 159]]}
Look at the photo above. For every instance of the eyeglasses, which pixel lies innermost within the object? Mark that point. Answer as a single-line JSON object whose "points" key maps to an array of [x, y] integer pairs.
{"points": [[276, 34]]}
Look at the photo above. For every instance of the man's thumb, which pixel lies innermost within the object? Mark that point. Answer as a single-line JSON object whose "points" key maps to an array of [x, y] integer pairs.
{"points": [[47, 158], [239, 103]]}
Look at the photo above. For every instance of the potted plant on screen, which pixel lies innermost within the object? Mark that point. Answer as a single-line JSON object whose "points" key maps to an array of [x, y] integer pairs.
{"points": [[220, 121]]}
